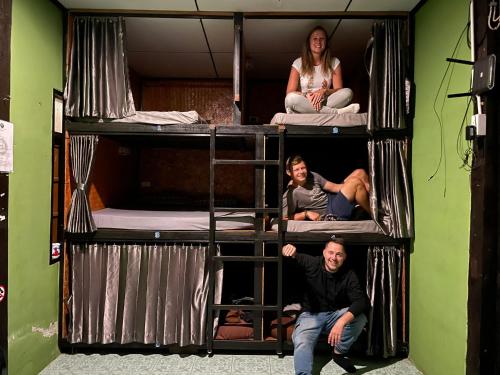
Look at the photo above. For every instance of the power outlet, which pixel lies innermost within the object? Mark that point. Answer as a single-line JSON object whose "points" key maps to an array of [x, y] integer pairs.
{"points": [[479, 122]]}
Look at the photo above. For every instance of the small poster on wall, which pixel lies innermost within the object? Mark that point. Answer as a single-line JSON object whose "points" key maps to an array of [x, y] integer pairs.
{"points": [[3, 292], [57, 112], [58, 169], [55, 253], [6, 143]]}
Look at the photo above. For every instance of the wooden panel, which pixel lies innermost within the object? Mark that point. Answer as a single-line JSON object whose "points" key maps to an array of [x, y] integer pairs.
{"points": [[261, 111], [5, 26], [55, 197], [112, 179], [212, 99], [55, 162], [136, 88], [5, 23], [53, 229], [483, 308], [160, 173]]}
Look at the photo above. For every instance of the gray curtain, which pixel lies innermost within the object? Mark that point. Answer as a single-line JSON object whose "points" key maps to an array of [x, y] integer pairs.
{"points": [[387, 70], [150, 294], [98, 82], [385, 288], [82, 154], [390, 198]]}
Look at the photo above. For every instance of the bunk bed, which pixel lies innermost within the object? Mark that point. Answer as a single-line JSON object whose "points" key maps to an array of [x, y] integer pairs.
{"points": [[163, 220], [94, 243], [128, 229]]}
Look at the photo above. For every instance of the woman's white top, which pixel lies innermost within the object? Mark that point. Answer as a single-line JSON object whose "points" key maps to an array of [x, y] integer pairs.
{"points": [[318, 80]]}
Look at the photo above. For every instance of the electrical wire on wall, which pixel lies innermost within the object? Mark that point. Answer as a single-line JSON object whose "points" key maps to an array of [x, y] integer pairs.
{"points": [[466, 154], [439, 111]]}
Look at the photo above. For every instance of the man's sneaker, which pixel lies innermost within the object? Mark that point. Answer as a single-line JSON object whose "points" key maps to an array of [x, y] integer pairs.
{"points": [[344, 362]]}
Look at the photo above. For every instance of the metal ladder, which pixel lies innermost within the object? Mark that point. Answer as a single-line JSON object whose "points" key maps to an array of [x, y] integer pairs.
{"points": [[259, 237]]}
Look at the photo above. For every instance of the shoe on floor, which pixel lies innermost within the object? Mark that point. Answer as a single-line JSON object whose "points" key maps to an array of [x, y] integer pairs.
{"points": [[344, 362]]}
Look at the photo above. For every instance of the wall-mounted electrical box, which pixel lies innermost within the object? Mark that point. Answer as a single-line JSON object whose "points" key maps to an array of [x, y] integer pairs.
{"points": [[483, 77], [479, 122]]}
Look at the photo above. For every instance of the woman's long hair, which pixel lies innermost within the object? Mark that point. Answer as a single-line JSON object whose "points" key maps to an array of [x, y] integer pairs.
{"points": [[307, 57]]}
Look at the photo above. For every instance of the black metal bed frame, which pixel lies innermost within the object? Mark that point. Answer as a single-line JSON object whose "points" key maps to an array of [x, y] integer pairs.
{"points": [[259, 237]]}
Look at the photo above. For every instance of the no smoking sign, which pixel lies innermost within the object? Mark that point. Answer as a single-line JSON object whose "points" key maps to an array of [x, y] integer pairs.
{"points": [[3, 293]]}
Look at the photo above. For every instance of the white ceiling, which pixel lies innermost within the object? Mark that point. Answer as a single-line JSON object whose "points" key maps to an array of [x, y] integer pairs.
{"points": [[193, 48]]}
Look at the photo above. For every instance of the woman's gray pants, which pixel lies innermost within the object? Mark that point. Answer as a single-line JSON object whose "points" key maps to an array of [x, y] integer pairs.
{"points": [[297, 103]]}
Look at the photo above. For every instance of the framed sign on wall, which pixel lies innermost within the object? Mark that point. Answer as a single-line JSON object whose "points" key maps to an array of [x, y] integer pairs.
{"points": [[57, 204]]}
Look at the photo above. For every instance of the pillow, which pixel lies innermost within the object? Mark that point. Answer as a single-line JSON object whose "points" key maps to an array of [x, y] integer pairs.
{"points": [[235, 332], [288, 325], [233, 316], [238, 317]]}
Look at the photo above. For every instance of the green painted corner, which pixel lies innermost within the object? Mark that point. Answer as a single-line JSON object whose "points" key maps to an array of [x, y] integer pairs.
{"points": [[439, 261], [36, 69]]}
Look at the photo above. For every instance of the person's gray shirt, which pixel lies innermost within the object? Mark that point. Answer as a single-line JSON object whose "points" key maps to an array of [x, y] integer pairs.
{"points": [[311, 196]]}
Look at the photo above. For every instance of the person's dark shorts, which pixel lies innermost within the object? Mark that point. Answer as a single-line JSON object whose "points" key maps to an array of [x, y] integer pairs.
{"points": [[339, 207]]}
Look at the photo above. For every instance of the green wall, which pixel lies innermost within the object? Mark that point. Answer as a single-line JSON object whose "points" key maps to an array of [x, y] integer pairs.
{"points": [[439, 262], [36, 69]]}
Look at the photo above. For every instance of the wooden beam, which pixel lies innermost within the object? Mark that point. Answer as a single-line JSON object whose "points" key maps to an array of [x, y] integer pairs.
{"points": [[5, 27], [483, 302], [325, 15], [228, 15], [151, 13]]}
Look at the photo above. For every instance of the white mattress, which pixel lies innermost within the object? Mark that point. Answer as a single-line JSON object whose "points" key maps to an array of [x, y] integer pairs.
{"points": [[112, 218], [320, 119], [361, 226], [163, 118]]}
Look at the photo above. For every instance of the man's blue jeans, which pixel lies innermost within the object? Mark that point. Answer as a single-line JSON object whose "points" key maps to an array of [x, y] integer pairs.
{"points": [[310, 326]]}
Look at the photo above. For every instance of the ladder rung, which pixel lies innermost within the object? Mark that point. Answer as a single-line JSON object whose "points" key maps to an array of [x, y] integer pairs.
{"points": [[245, 258], [247, 209], [245, 162], [245, 307]]}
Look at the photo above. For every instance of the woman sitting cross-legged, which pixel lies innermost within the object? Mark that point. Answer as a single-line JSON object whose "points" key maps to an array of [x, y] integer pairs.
{"points": [[315, 82]]}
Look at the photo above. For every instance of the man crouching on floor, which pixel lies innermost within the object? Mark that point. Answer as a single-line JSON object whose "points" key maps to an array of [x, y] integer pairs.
{"points": [[333, 303]]}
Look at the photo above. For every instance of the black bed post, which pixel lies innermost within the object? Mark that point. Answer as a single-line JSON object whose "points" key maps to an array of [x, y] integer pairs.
{"points": [[237, 71], [259, 227], [211, 246], [281, 235]]}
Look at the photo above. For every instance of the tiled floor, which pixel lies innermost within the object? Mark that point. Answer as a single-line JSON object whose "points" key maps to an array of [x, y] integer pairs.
{"points": [[174, 364]]}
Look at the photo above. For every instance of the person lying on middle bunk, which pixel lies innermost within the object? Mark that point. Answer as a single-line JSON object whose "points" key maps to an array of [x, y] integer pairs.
{"points": [[310, 196], [315, 83]]}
